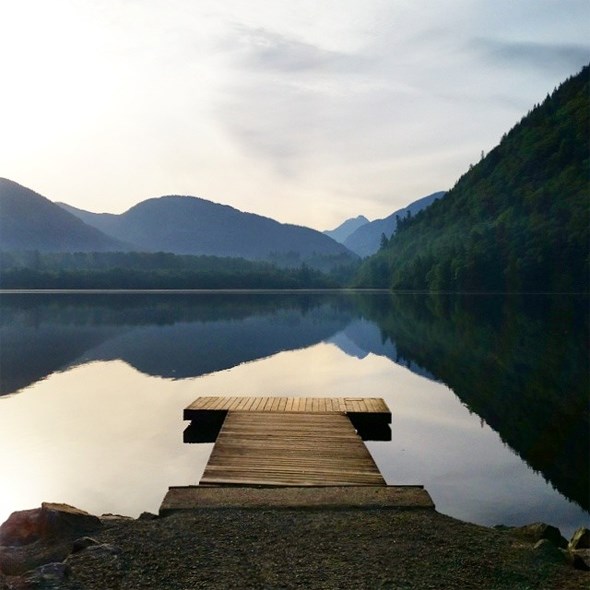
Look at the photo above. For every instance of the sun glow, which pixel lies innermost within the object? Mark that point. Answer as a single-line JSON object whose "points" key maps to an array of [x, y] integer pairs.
{"points": [[59, 82]]}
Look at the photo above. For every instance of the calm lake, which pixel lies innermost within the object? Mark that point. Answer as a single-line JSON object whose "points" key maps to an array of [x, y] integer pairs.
{"points": [[489, 394]]}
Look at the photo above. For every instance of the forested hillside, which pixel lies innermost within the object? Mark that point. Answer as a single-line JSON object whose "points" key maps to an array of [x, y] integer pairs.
{"points": [[516, 221], [367, 239]]}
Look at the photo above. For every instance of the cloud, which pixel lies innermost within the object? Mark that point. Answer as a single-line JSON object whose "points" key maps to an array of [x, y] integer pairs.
{"points": [[319, 110], [542, 56], [287, 100], [273, 52]]}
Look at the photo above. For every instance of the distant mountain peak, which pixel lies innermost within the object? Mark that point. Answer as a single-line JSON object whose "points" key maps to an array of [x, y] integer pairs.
{"points": [[366, 239], [346, 228]]}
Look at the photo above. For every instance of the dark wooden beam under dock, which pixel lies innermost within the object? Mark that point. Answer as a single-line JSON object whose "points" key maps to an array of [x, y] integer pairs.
{"points": [[181, 498]]}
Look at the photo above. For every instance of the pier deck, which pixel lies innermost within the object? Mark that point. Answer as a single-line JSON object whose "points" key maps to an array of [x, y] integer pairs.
{"points": [[308, 405], [258, 448], [288, 441]]}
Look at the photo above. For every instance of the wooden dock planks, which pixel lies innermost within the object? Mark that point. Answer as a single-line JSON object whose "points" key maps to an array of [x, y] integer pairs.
{"points": [[307, 405], [289, 449]]}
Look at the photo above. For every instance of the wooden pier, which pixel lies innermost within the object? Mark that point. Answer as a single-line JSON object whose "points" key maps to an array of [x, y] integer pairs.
{"points": [[288, 443]]}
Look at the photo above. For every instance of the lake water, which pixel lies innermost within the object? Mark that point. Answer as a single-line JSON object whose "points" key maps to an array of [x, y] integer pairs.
{"points": [[489, 394]]}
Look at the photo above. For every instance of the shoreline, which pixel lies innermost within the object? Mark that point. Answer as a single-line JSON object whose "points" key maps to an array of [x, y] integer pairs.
{"points": [[289, 547]]}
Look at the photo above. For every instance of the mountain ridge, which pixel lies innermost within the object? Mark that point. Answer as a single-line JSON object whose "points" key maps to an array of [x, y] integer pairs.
{"points": [[193, 225], [30, 221], [366, 239], [346, 228], [173, 223]]}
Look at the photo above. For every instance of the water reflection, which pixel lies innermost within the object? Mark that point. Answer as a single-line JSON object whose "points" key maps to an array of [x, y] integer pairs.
{"points": [[518, 366], [100, 436], [521, 364], [174, 336]]}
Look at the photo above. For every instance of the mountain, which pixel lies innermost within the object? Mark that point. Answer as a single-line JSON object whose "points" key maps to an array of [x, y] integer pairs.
{"points": [[29, 221], [105, 222], [366, 240], [191, 225], [345, 229], [362, 337], [519, 220]]}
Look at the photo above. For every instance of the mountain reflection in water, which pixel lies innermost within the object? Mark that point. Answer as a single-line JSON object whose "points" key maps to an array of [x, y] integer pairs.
{"points": [[520, 363], [173, 336]]}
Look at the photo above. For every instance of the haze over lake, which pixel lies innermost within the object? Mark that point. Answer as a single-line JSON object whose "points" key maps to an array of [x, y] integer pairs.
{"points": [[488, 394]]}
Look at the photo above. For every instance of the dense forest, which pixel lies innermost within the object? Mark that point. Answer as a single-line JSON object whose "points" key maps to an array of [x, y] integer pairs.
{"points": [[141, 270], [516, 221]]}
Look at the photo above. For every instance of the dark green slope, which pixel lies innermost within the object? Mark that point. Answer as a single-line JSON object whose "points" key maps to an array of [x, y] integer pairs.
{"points": [[517, 221]]}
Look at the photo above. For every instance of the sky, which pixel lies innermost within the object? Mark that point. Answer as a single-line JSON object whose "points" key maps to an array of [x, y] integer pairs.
{"points": [[306, 111]]}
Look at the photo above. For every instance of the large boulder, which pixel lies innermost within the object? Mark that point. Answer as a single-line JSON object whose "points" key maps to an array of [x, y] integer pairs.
{"points": [[32, 538], [536, 532], [51, 521], [49, 576], [546, 551], [580, 539], [579, 549]]}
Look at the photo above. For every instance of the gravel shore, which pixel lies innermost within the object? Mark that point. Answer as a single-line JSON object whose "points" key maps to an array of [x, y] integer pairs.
{"points": [[352, 548]]}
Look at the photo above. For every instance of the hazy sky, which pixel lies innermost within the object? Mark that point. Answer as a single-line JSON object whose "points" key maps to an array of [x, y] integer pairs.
{"points": [[308, 111]]}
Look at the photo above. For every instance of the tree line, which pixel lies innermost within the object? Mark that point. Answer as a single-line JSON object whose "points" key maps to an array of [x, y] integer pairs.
{"points": [[141, 270]]}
